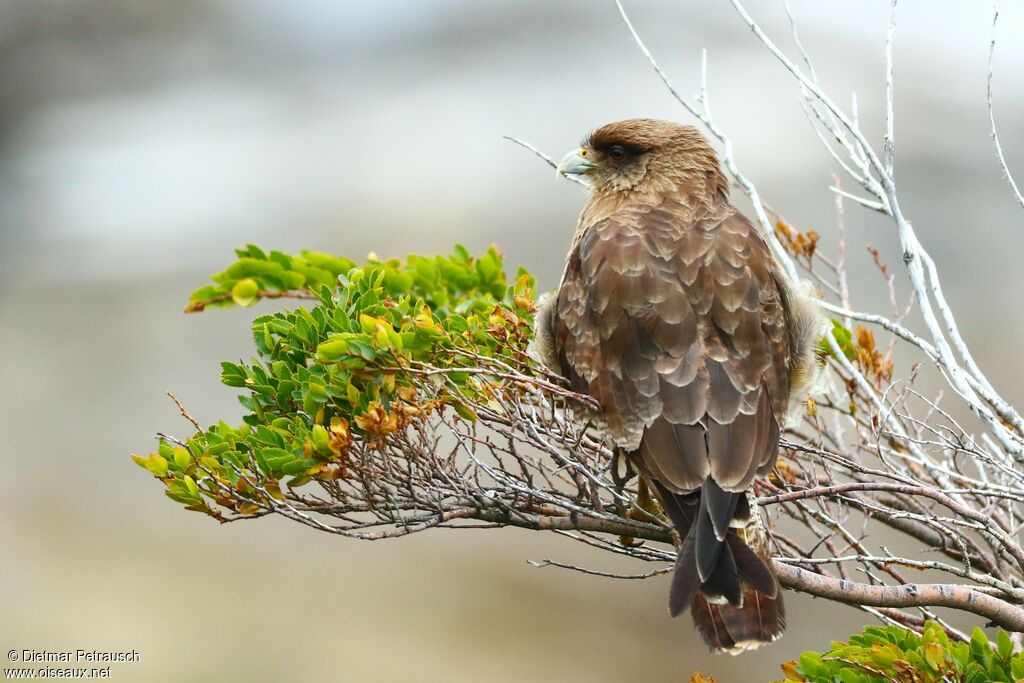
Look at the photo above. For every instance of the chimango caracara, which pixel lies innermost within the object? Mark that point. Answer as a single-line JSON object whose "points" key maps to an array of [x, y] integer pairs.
{"points": [[675, 316]]}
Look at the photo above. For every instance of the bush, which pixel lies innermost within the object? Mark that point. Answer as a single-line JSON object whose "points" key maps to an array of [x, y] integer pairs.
{"points": [[342, 371], [887, 654]]}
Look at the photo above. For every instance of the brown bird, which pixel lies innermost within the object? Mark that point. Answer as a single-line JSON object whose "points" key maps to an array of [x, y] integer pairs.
{"points": [[674, 314]]}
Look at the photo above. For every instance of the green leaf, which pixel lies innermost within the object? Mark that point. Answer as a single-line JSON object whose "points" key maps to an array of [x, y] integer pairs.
{"points": [[183, 491], [245, 292], [979, 643], [334, 348], [321, 440], [182, 459], [1003, 644], [464, 411], [810, 663], [155, 464], [255, 252], [933, 654], [206, 293], [247, 267]]}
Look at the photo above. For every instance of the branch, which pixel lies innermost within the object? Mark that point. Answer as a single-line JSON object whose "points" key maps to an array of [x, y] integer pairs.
{"points": [[200, 306], [991, 113], [184, 413], [997, 611], [923, 276], [889, 146], [545, 157]]}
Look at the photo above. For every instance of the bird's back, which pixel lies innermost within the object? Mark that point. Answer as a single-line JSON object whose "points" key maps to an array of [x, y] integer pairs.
{"points": [[671, 316]]}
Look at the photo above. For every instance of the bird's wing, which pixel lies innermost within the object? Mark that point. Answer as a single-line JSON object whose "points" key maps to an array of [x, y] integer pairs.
{"points": [[675, 323]]}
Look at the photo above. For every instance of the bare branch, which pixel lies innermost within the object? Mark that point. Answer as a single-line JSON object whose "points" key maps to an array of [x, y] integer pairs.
{"points": [[890, 138], [545, 157], [184, 413], [1001, 613], [925, 282], [991, 113]]}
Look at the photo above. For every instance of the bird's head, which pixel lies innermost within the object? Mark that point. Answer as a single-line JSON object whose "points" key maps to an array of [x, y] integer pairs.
{"points": [[646, 156]]}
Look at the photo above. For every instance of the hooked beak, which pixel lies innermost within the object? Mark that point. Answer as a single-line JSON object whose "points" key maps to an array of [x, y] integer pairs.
{"points": [[576, 163]]}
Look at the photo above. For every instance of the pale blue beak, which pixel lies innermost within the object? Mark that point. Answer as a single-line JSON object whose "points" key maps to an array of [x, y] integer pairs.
{"points": [[576, 163]]}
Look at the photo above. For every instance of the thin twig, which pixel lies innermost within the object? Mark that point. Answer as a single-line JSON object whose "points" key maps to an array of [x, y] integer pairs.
{"points": [[991, 112], [184, 413]]}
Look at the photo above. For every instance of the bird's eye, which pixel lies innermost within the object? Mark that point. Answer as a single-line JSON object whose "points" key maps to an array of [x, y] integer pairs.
{"points": [[617, 153]]}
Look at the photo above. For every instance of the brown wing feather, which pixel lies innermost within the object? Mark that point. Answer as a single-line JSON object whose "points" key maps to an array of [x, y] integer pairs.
{"points": [[675, 323]]}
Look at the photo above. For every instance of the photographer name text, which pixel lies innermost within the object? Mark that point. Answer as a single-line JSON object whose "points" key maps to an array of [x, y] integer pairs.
{"points": [[76, 656]]}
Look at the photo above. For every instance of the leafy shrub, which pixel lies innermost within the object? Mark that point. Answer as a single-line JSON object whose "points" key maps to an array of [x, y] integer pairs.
{"points": [[342, 370], [887, 654]]}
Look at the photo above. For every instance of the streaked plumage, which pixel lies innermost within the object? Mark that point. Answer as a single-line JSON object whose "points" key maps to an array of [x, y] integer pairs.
{"points": [[674, 315]]}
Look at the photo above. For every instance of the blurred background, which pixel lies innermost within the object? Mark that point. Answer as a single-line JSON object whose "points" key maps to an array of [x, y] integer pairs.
{"points": [[141, 141]]}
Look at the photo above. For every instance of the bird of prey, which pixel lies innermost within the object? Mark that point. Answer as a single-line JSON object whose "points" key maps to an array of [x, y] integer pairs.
{"points": [[675, 316]]}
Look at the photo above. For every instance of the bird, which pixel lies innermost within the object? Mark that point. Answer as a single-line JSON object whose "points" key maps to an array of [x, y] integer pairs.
{"points": [[676, 317]]}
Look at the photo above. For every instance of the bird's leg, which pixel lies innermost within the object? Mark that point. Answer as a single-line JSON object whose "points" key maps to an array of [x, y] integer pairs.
{"points": [[648, 508], [622, 470], [645, 507]]}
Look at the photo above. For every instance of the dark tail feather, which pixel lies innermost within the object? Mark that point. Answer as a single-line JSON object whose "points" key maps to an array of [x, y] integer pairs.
{"points": [[716, 510], [719, 505], [752, 568], [724, 585], [734, 629], [685, 581], [731, 588]]}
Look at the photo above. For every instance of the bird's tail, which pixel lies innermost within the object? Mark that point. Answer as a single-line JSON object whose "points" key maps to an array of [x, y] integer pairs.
{"points": [[723, 569]]}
